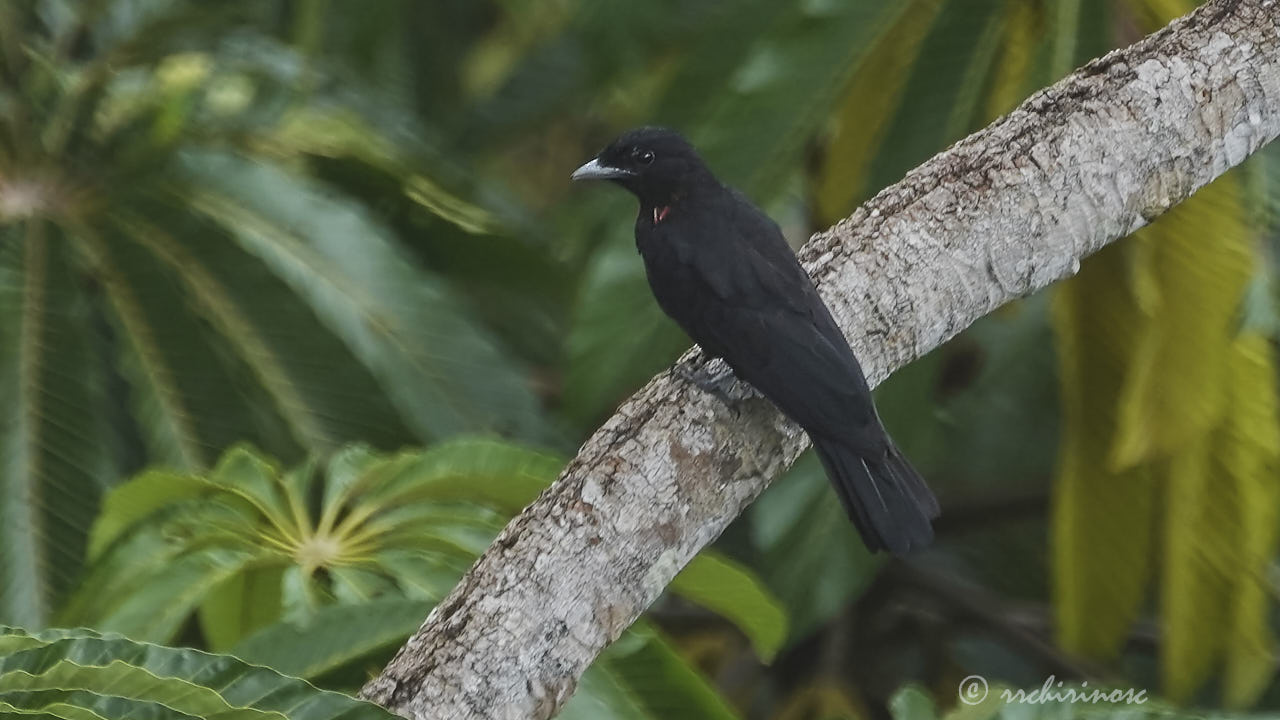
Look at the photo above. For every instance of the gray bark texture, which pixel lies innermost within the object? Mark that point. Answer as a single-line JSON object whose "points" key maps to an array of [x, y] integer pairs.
{"points": [[998, 216]]}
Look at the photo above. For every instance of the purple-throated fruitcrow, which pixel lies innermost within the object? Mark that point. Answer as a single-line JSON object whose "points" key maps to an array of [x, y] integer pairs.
{"points": [[722, 270]]}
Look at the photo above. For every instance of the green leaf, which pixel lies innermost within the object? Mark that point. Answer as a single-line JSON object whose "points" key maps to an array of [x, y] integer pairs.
{"points": [[787, 85], [607, 358], [1221, 538], [1013, 77], [245, 474], [1102, 551], [241, 604], [642, 677], [135, 499], [269, 373], [422, 576], [80, 674], [1195, 580], [157, 611], [118, 574], [244, 544], [734, 592], [333, 636], [161, 407], [480, 470], [1170, 407], [864, 116], [910, 703], [940, 101], [1188, 291], [443, 373], [168, 298], [1252, 457], [54, 452]]}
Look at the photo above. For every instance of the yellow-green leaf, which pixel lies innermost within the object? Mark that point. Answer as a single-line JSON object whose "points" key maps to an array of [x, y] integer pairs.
{"points": [[1169, 450], [1103, 520], [734, 592], [866, 110]]}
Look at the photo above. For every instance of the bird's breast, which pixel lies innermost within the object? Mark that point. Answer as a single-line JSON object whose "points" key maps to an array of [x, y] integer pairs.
{"points": [[674, 265], [671, 269]]}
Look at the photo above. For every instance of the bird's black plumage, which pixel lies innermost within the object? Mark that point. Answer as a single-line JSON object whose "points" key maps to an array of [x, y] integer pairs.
{"points": [[722, 270]]}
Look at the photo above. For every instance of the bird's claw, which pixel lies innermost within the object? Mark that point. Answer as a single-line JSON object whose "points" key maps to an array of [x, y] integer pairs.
{"points": [[715, 381]]}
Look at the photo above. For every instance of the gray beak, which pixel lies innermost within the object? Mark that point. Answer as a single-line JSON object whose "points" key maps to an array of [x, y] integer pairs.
{"points": [[595, 171]]}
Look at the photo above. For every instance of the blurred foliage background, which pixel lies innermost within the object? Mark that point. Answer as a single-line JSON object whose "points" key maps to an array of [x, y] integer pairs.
{"points": [[297, 306]]}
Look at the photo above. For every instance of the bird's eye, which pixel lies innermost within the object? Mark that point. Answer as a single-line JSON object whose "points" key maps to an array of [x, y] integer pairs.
{"points": [[644, 157]]}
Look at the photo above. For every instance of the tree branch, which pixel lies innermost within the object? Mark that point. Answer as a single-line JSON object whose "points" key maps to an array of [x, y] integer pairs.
{"points": [[1000, 215]]}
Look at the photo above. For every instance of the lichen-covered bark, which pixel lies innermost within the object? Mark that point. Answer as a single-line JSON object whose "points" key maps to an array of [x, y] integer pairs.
{"points": [[1001, 214]]}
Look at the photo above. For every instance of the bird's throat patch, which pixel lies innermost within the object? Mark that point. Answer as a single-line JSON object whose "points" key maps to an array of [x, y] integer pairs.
{"points": [[660, 214]]}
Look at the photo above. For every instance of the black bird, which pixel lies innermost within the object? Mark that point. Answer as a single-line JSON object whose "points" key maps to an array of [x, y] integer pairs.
{"points": [[722, 270]]}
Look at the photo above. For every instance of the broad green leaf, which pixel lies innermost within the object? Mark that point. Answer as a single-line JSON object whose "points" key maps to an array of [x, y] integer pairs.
{"points": [[163, 411], [600, 696], [1012, 75], [72, 674], [910, 703], [1214, 553], [54, 451], [1155, 14], [423, 576], [135, 499], [1252, 458], [787, 85], [443, 373], [243, 603], [83, 705], [350, 472], [941, 98], [1103, 551], [156, 611], [1170, 414], [863, 118], [732, 591], [607, 358], [247, 475], [269, 371], [333, 636], [120, 573], [505, 475], [1066, 26], [1174, 392], [1195, 594], [642, 677], [248, 542], [169, 297], [1221, 538]]}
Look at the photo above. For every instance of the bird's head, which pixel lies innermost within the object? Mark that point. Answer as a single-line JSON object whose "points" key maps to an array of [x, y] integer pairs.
{"points": [[656, 164]]}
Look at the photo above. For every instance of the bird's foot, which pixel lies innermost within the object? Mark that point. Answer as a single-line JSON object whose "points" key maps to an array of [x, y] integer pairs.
{"points": [[714, 377]]}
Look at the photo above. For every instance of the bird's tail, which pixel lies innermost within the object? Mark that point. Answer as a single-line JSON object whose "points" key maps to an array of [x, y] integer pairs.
{"points": [[886, 498]]}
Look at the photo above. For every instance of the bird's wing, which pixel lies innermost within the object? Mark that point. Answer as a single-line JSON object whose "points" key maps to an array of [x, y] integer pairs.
{"points": [[776, 333], [785, 356], [747, 261]]}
